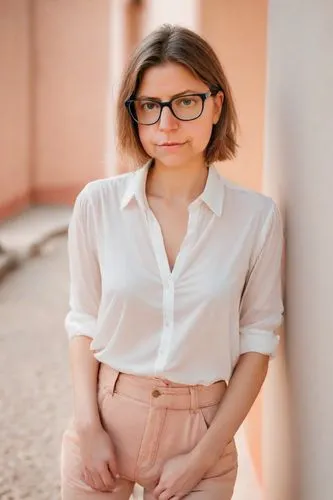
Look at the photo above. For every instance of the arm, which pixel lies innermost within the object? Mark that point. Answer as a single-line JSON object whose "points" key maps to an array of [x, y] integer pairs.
{"points": [[260, 315], [81, 320], [97, 454], [243, 389], [84, 371]]}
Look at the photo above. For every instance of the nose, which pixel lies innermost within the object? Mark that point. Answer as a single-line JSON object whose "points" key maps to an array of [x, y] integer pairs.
{"points": [[167, 120]]}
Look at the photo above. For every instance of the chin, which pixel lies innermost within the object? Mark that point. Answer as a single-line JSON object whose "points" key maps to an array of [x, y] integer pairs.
{"points": [[174, 161], [170, 162]]}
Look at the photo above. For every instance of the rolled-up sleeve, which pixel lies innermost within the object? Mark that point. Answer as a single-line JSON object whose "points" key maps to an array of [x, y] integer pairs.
{"points": [[85, 282], [261, 310]]}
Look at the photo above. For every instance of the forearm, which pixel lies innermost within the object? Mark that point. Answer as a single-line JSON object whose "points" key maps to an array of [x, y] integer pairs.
{"points": [[84, 370], [243, 389]]}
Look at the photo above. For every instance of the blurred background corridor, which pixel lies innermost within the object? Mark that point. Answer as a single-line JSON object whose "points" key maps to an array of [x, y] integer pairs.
{"points": [[60, 66]]}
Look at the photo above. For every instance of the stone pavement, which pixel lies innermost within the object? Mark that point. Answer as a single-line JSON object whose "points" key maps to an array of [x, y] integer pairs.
{"points": [[35, 394], [35, 400]]}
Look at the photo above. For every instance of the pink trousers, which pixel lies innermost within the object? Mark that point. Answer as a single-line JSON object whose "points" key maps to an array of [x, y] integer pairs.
{"points": [[150, 421]]}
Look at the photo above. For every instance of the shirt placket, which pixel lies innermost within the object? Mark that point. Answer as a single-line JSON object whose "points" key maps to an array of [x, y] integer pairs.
{"points": [[168, 324], [168, 279]]}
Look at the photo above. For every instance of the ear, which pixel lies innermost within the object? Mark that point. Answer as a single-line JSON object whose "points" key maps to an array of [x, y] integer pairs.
{"points": [[218, 103]]}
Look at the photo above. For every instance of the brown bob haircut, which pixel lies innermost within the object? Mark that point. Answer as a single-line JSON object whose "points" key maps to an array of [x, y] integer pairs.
{"points": [[178, 45]]}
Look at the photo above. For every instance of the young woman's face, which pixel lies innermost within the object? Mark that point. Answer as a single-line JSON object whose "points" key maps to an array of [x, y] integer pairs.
{"points": [[171, 141]]}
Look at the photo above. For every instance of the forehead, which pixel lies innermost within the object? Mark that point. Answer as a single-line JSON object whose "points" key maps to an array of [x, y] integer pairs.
{"points": [[169, 79]]}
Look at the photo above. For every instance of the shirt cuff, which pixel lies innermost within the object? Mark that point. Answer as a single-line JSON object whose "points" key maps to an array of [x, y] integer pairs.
{"points": [[80, 324], [259, 341]]}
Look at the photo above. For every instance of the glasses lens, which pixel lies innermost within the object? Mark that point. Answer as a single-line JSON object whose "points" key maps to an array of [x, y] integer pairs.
{"points": [[146, 112], [187, 107]]}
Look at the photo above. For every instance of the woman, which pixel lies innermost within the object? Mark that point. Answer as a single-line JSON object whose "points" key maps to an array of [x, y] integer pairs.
{"points": [[175, 290]]}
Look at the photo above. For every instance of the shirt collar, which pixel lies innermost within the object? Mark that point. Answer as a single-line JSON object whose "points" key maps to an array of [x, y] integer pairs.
{"points": [[212, 195], [137, 187]]}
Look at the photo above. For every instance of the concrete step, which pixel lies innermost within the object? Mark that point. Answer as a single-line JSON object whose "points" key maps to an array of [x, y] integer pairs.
{"points": [[22, 236]]}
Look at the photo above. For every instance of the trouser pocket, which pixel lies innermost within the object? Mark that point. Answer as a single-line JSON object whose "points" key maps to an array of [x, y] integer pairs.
{"points": [[208, 414]]}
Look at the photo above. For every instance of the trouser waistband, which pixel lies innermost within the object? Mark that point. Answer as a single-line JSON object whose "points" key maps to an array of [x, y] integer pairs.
{"points": [[160, 393]]}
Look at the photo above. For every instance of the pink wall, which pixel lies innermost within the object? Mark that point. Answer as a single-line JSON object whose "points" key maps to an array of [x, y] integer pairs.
{"points": [[71, 95], [54, 87], [237, 31], [14, 105]]}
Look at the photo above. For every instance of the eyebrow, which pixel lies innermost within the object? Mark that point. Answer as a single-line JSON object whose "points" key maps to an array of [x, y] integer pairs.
{"points": [[188, 91]]}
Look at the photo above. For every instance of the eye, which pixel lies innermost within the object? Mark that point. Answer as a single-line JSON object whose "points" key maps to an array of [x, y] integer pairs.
{"points": [[148, 105], [187, 101]]}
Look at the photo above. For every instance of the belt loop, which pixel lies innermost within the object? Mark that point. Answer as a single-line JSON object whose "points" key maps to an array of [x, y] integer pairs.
{"points": [[194, 398], [115, 377]]}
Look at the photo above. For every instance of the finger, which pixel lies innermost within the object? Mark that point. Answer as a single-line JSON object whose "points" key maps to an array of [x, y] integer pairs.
{"points": [[87, 477], [108, 479], [166, 495], [159, 491], [112, 464], [113, 473], [97, 480]]}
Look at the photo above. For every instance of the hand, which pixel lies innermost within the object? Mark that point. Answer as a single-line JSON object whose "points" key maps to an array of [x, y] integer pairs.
{"points": [[179, 476], [98, 458]]}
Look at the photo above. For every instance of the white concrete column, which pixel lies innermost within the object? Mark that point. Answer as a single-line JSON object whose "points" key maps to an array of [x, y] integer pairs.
{"points": [[299, 174]]}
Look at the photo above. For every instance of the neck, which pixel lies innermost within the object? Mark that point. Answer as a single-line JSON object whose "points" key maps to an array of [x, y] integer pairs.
{"points": [[181, 183]]}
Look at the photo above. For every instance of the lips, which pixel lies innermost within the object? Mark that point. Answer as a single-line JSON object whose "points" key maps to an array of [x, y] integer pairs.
{"points": [[171, 143]]}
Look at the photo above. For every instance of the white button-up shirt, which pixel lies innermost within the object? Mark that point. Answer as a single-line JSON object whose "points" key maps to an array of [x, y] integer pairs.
{"points": [[222, 298]]}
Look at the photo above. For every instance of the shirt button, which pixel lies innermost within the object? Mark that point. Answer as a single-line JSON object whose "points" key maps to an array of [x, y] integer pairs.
{"points": [[156, 393]]}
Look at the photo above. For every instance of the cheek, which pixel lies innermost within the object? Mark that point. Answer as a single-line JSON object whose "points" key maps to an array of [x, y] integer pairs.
{"points": [[201, 135], [146, 135]]}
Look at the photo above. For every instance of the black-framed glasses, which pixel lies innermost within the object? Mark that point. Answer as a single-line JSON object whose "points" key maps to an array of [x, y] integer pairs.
{"points": [[186, 108]]}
